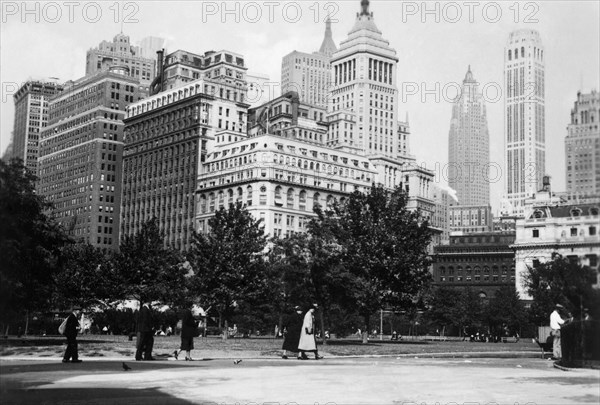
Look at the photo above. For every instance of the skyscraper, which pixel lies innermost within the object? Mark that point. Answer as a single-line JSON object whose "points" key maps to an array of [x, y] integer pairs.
{"points": [[364, 98], [309, 74], [524, 115], [81, 152], [468, 146], [119, 51], [31, 117], [582, 146]]}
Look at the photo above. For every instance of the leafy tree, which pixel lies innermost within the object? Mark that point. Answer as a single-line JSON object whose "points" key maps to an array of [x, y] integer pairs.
{"points": [[29, 241], [81, 279], [505, 308], [561, 281], [443, 306], [229, 262], [384, 247], [144, 267]]}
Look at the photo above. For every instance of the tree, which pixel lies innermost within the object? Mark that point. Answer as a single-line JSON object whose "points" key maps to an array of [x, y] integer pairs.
{"points": [[229, 262], [81, 279], [145, 268], [29, 241], [505, 308], [384, 249], [561, 281]]}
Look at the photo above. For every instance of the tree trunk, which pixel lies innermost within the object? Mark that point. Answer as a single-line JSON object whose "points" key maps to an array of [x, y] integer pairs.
{"points": [[226, 330], [323, 328], [26, 322], [365, 335]]}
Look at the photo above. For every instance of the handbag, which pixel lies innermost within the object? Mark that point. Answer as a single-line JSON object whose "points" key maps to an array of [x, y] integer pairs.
{"points": [[62, 327]]}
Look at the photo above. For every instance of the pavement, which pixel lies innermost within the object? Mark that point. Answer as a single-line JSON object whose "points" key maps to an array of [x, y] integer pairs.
{"points": [[357, 380]]}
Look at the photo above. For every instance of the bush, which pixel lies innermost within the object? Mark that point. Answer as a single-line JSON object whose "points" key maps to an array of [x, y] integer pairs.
{"points": [[580, 342]]}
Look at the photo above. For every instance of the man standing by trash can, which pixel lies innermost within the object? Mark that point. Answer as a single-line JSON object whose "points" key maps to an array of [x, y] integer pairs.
{"points": [[556, 321]]}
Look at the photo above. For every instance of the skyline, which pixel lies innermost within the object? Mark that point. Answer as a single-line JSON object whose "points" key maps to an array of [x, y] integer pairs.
{"points": [[429, 56]]}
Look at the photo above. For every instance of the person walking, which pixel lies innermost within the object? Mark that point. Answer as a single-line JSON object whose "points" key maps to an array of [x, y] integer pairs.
{"points": [[189, 329], [308, 342], [145, 338], [291, 332], [71, 328], [556, 322]]}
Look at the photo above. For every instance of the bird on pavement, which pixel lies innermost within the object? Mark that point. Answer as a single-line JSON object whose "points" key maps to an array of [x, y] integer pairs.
{"points": [[126, 367], [237, 361]]}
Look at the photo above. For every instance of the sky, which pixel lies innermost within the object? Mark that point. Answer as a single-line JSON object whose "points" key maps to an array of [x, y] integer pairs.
{"points": [[435, 43]]}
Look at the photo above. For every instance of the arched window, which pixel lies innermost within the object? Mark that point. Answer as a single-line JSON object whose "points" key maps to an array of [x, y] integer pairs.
{"points": [[442, 270], [230, 197], [278, 196], [330, 200], [509, 54], [516, 53], [221, 199], [239, 194], [302, 200], [249, 195], [202, 204], [316, 198], [211, 202], [522, 52], [290, 198]]}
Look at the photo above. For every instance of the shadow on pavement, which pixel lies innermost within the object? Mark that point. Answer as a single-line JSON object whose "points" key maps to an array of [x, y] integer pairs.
{"points": [[88, 396]]}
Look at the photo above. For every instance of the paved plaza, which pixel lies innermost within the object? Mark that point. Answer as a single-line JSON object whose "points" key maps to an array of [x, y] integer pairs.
{"points": [[390, 380]]}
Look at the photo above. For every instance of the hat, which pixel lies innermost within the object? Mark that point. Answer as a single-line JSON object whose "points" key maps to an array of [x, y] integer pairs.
{"points": [[315, 306], [558, 306], [297, 308]]}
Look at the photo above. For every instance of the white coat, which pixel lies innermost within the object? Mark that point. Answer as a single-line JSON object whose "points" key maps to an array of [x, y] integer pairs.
{"points": [[307, 339]]}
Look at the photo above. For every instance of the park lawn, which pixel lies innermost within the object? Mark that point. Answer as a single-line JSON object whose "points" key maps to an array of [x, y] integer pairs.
{"points": [[215, 347]]}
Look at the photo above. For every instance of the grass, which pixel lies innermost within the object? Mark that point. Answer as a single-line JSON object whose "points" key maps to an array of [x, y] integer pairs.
{"points": [[215, 347]]}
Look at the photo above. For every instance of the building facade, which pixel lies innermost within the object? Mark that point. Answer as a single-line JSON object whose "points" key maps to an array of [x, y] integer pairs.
{"points": [[181, 67], [524, 117], [551, 226], [470, 219], [309, 74], [167, 138], [31, 118], [481, 261], [582, 146], [81, 152], [278, 179], [363, 104], [469, 146], [121, 52]]}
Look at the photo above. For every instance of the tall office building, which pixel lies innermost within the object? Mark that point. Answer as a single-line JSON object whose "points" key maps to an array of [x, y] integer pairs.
{"points": [[120, 52], [168, 135], [309, 74], [31, 117], [582, 146], [364, 98], [468, 146], [81, 153], [524, 117]]}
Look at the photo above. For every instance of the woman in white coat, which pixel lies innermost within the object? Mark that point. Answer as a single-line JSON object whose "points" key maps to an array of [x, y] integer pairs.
{"points": [[308, 343]]}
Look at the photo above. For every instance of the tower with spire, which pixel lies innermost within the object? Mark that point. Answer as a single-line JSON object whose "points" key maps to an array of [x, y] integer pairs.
{"points": [[309, 74], [468, 146]]}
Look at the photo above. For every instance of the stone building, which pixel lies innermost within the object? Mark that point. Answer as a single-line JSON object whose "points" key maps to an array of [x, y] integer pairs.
{"points": [[582, 146], [167, 138], [482, 261], [81, 151], [524, 115], [552, 226], [121, 52], [31, 118]]}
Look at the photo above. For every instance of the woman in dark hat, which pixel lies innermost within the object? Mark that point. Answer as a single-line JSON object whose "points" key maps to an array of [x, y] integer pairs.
{"points": [[308, 342], [291, 332], [189, 327]]}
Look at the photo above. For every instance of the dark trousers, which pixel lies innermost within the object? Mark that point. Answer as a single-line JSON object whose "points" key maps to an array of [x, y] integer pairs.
{"points": [[71, 351], [144, 344]]}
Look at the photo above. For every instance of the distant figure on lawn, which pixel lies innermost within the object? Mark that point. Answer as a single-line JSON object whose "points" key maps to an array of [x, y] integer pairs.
{"points": [[556, 321], [189, 329], [291, 332], [71, 328], [308, 342], [145, 338]]}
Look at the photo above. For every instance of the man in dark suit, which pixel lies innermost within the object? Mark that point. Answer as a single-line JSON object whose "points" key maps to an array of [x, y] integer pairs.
{"points": [[71, 329], [145, 335]]}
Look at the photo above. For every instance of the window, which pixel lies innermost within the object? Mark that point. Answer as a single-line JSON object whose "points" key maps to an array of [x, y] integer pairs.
{"points": [[592, 230], [536, 233], [573, 231]]}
